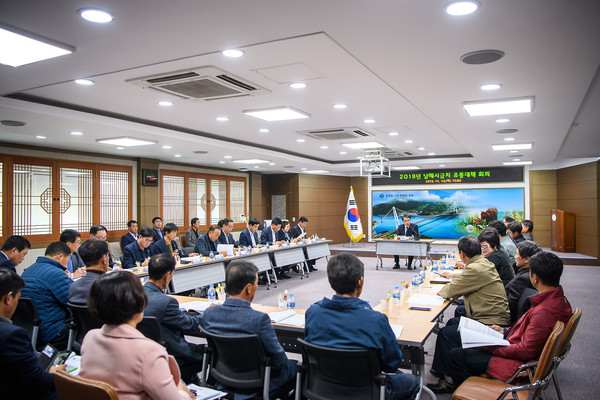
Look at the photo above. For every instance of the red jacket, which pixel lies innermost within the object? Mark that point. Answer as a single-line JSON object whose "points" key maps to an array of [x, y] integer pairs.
{"points": [[528, 335]]}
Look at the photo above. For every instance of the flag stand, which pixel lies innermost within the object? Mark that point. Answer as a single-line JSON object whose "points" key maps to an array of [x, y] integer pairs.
{"points": [[353, 244]]}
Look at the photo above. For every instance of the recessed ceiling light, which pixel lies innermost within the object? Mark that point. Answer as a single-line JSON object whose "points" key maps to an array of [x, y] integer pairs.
{"points": [[40, 137], [76, 133], [125, 141], [369, 121], [498, 107], [277, 114], [251, 161], [340, 106], [317, 171], [166, 146], [226, 156], [462, 7], [516, 159], [222, 119], [263, 130], [120, 148], [165, 103], [256, 166], [324, 147], [96, 15], [272, 163], [84, 82], [514, 151], [298, 85], [20, 48], [177, 155], [408, 168], [300, 140], [408, 141], [509, 139], [343, 152], [233, 53], [421, 148], [302, 169], [502, 120], [442, 165], [221, 162], [514, 146], [517, 162], [363, 145], [491, 86], [431, 154], [393, 133]]}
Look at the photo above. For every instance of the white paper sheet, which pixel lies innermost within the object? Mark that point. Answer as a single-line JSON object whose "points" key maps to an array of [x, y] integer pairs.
{"points": [[397, 330], [426, 299], [225, 247], [198, 306], [278, 316], [204, 393]]}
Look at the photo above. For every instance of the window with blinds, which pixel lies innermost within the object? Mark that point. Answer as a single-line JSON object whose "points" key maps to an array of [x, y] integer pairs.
{"points": [[173, 200], [77, 193], [32, 200], [218, 191], [197, 202], [237, 201]]}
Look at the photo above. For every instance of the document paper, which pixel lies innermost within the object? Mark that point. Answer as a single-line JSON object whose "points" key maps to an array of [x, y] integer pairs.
{"points": [[288, 317], [476, 334], [204, 393], [425, 299]]}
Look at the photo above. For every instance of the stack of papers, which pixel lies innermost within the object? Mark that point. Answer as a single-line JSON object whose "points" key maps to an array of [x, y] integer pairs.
{"points": [[397, 330], [476, 334], [204, 393], [288, 317], [440, 279], [426, 299], [197, 306]]}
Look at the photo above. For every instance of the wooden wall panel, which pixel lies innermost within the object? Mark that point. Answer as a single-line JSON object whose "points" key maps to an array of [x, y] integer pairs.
{"points": [[542, 198], [148, 205]]}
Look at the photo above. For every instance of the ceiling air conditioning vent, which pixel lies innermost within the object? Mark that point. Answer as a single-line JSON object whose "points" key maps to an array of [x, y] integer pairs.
{"points": [[203, 83], [337, 133]]}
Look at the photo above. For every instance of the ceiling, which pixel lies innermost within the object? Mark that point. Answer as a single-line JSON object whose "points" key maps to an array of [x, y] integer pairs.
{"points": [[396, 62]]}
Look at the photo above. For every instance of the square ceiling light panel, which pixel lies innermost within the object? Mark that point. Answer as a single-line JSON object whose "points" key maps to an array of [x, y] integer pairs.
{"points": [[499, 107], [125, 141], [282, 113], [19, 48]]}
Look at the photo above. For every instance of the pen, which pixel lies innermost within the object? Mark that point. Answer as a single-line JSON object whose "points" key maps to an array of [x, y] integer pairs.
{"points": [[71, 370]]}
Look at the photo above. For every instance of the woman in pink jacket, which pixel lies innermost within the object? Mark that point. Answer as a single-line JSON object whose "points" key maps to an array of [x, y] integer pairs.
{"points": [[118, 354]]}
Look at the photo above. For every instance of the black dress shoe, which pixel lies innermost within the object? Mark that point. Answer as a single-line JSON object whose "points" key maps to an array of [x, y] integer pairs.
{"points": [[410, 267], [442, 386], [435, 373], [396, 266], [284, 276], [312, 269]]}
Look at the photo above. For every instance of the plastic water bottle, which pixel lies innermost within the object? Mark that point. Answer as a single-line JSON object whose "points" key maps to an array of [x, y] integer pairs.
{"points": [[415, 283], [396, 295], [422, 275], [212, 294], [291, 303], [211, 256]]}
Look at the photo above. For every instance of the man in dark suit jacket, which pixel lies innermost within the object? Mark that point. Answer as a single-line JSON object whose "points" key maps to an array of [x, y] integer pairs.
{"points": [[168, 244], [406, 229], [157, 231], [514, 230], [22, 376], [269, 235], [236, 317], [13, 252], [96, 258], [226, 225], [72, 239], [249, 237], [207, 243], [138, 251], [172, 320], [132, 234], [299, 231]]}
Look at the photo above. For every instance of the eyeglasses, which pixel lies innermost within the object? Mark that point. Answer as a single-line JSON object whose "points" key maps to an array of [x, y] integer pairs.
{"points": [[485, 246], [147, 240]]}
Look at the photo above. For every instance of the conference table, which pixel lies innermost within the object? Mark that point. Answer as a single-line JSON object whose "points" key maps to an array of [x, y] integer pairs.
{"points": [[417, 327], [189, 276], [402, 247]]}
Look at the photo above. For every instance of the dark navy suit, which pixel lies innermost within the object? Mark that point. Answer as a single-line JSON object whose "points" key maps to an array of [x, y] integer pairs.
{"points": [[6, 263], [161, 247], [80, 289], [204, 245], [22, 376], [412, 230], [236, 317], [283, 236], [229, 240], [266, 237], [246, 240], [157, 234], [174, 322], [127, 239], [296, 231], [133, 252]]}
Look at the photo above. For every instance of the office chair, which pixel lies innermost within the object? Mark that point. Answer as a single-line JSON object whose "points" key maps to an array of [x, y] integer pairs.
{"points": [[150, 327], [328, 373], [26, 317], [71, 387], [83, 322], [524, 302]]}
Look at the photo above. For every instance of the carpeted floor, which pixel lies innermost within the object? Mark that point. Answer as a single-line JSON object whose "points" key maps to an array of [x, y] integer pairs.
{"points": [[576, 374]]}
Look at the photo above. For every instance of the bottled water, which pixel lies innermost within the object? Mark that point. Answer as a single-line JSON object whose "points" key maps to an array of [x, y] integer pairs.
{"points": [[396, 295], [415, 283], [211, 255], [422, 275], [212, 294], [291, 303]]}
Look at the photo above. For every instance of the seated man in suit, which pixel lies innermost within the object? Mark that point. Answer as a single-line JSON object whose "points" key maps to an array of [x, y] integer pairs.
{"points": [[527, 336], [345, 321], [192, 234], [514, 231], [22, 376], [99, 232], [75, 266], [157, 231], [406, 229], [269, 235], [168, 245], [138, 251], [207, 243], [131, 235], [47, 285], [236, 317], [515, 288], [505, 242], [299, 232], [173, 321], [94, 254], [249, 237], [226, 225], [527, 228], [13, 252]]}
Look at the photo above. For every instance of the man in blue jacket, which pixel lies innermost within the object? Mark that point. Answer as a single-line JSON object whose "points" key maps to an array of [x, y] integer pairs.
{"points": [[345, 321], [22, 376], [226, 225], [138, 251], [249, 237], [269, 235], [47, 285], [173, 321]]}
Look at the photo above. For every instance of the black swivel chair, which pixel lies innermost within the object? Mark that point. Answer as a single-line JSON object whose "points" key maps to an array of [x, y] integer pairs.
{"points": [[26, 317], [330, 374], [240, 364], [83, 322], [524, 302], [150, 327]]}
